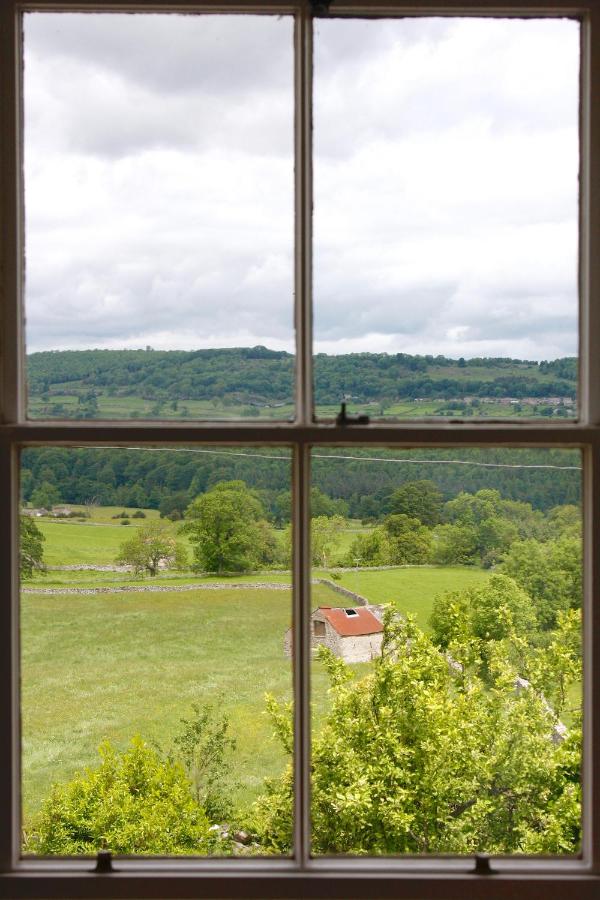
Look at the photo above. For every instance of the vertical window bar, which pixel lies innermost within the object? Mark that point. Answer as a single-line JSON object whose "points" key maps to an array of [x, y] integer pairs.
{"points": [[591, 656], [301, 650], [9, 664], [11, 221], [303, 214], [589, 225]]}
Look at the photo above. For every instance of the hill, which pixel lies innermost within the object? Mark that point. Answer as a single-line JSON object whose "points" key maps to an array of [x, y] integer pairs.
{"points": [[256, 381]]}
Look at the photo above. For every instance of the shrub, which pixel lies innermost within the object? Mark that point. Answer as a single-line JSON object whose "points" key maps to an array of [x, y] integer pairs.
{"points": [[419, 757], [133, 802]]}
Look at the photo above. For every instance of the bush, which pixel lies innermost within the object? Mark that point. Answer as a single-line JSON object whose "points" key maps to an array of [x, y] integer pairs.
{"points": [[133, 802], [139, 514], [418, 757]]}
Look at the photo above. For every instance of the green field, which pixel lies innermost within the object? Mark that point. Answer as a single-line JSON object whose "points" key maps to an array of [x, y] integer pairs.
{"points": [[112, 665], [109, 666], [126, 407]]}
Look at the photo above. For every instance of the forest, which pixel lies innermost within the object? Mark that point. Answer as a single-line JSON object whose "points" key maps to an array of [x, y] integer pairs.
{"points": [[260, 377], [360, 482]]}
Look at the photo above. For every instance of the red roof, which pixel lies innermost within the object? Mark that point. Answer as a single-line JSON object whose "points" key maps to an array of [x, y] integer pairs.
{"points": [[346, 625]]}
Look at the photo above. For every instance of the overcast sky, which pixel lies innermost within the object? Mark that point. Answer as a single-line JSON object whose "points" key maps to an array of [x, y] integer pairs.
{"points": [[159, 184]]}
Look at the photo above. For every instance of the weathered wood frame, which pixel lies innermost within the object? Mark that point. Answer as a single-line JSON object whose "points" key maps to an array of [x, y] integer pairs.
{"points": [[300, 876]]}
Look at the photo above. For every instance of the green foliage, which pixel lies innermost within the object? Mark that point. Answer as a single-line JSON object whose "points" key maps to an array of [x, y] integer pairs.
{"points": [[400, 541], [419, 758], [481, 528], [359, 487], [31, 548], [203, 745], [419, 500], [408, 542], [245, 375], [133, 802], [324, 535], [494, 611], [558, 665], [45, 496], [551, 574], [152, 544], [228, 529], [454, 545], [564, 521]]}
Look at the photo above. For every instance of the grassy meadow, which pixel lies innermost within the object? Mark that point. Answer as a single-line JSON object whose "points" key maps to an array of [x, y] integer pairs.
{"points": [[112, 665]]}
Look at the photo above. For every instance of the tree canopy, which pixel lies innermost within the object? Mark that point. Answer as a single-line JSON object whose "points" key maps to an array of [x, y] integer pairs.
{"points": [[228, 529], [423, 757], [31, 548], [151, 545]]}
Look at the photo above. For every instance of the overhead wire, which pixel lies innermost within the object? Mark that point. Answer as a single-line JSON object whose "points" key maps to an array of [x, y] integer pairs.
{"points": [[337, 456]]}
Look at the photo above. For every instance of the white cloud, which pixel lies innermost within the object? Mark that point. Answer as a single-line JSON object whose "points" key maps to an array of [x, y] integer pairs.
{"points": [[159, 183]]}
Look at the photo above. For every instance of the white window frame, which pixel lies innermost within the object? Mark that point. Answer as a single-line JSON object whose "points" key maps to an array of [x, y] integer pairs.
{"points": [[300, 876]]}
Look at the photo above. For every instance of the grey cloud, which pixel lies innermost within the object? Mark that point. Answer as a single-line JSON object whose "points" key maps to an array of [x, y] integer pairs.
{"points": [[171, 53]]}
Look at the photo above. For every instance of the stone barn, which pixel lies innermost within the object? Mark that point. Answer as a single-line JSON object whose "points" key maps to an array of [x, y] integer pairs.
{"points": [[352, 633]]}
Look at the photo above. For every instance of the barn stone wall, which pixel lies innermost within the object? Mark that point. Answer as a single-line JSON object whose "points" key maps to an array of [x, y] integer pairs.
{"points": [[360, 647]]}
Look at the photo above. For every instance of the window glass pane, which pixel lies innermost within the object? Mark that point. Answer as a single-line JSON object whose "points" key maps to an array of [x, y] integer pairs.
{"points": [[156, 594], [159, 216], [446, 210], [446, 675]]}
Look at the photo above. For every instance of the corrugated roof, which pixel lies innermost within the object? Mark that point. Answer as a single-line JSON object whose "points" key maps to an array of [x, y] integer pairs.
{"points": [[346, 625]]}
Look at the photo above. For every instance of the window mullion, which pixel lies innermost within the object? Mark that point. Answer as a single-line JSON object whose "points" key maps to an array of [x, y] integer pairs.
{"points": [[303, 215], [11, 222], [9, 666], [301, 650], [590, 220], [591, 649]]}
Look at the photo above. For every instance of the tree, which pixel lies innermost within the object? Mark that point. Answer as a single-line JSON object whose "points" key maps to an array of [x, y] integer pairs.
{"points": [[228, 529], [31, 548], [472, 509], [408, 542], [152, 544], [551, 574], [173, 506], [324, 535], [454, 545], [420, 758], [45, 496], [133, 802], [473, 622], [418, 499]]}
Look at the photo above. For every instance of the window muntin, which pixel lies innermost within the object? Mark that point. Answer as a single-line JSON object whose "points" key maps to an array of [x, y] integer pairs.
{"points": [[159, 216], [518, 875], [446, 217]]}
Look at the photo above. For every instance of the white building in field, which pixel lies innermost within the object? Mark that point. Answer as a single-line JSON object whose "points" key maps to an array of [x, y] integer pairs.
{"points": [[352, 633]]}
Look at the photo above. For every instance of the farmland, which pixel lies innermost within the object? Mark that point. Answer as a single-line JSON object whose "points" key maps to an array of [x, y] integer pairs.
{"points": [[111, 665]]}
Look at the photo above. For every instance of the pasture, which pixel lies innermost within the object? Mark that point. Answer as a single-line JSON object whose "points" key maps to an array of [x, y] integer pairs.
{"points": [[112, 665]]}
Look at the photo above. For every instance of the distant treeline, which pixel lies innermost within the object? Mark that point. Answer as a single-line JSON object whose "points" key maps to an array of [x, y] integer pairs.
{"points": [[262, 376], [168, 479]]}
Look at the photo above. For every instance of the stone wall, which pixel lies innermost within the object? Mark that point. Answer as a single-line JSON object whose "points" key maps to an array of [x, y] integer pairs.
{"points": [[357, 598], [360, 648]]}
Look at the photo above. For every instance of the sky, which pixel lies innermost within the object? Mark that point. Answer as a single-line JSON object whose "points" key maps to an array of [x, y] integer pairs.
{"points": [[159, 181]]}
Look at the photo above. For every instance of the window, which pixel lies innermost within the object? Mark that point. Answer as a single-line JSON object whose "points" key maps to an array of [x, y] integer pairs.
{"points": [[302, 435], [319, 628]]}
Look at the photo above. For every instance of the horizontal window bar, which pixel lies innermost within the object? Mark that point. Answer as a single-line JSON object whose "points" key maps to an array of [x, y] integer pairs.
{"points": [[348, 7], [341, 886], [423, 435]]}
